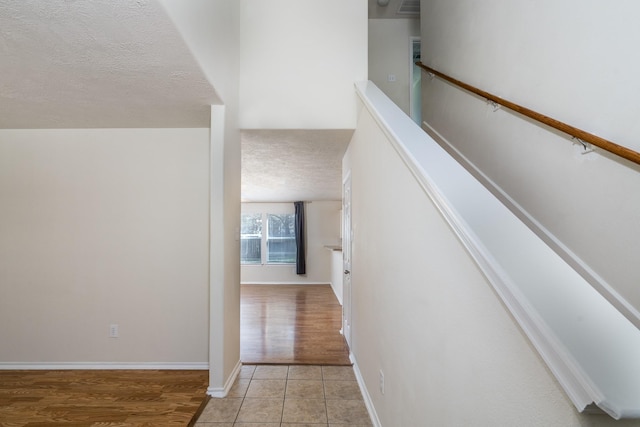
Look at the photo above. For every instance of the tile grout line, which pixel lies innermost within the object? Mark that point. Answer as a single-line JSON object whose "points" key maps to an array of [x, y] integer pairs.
{"points": [[284, 398], [244, 395], [333, 379], [324, 394]]}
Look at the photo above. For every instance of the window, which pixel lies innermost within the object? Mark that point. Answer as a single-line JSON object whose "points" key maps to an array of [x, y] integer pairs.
{"points": [[275, 245], [251, 239], [281, 239]]}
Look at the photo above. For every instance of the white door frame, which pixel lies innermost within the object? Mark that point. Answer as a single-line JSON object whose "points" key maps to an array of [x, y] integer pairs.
{"points": [[347, 238]]}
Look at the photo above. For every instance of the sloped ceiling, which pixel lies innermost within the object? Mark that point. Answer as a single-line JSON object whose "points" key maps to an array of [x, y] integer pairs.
{"points": [[123, 63], [97, 64]]}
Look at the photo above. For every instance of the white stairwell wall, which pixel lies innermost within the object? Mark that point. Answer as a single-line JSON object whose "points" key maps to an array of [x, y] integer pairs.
{"points": [[557, 62], [425, 315]]}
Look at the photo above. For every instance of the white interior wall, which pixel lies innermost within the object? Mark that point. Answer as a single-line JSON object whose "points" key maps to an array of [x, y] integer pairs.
{"points": [[389, 53], [299, 60], [323, 228], [104, 227], [211, 29], [337, 274], [427, 317], [554, 60]]}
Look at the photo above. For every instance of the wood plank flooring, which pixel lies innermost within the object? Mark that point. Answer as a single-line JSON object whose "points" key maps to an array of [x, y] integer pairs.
{"points": [[78, 398], [291, 324]]}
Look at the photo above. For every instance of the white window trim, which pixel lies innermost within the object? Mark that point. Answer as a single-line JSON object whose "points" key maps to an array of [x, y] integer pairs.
{"points": [[265, 211]]}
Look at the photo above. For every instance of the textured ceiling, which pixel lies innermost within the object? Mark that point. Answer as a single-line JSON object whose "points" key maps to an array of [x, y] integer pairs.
{"points": [[97, 64], [290, 165], [123, 63]]}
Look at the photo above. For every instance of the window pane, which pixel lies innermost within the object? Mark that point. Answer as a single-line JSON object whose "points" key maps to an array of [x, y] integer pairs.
{"points": [[281, 239], [251, 239], [251, 224]]}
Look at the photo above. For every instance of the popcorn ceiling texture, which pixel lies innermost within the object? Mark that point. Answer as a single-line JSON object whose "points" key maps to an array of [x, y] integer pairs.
{"points": [[289, 165], [124, 64], [97, 64]]}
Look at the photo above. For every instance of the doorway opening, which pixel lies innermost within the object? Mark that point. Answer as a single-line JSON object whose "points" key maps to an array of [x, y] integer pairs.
{"points": [[291, 324], [415, 81]]}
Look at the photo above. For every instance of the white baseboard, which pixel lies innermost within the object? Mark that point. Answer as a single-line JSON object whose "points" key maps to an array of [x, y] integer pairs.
{"points": [[365, 393], [223, 391], [101, 366]]}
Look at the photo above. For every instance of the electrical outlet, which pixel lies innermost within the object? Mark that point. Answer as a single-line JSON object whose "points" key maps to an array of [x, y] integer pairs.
{"points": [[381, 381], [391, 77], [113, 331]]}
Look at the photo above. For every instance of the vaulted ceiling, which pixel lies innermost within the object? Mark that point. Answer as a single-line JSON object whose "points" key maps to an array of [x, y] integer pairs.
{"points": [[97, 64], [124, 63]]}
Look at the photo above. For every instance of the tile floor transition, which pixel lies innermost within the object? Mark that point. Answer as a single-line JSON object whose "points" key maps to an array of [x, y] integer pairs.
{"points": [[289, 396]]}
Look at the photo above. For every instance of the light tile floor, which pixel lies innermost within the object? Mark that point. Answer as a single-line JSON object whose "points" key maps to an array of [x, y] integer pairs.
{"points": [[289, 396]]}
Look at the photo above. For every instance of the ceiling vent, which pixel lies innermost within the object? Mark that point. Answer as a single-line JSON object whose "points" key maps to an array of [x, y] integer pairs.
{"points": [[409, 8]]}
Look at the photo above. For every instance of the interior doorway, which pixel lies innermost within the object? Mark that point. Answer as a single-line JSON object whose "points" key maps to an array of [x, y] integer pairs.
{"points": [[415, 81], [346, 259], [291, 324]]}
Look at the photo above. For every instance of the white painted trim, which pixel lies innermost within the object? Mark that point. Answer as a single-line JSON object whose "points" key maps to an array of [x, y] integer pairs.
{"points": [[268, 264], [588, 344], [368, 402], [222, 392], [560, 248], [101, 366], [285, 283], [338, 297], [347, 250]]}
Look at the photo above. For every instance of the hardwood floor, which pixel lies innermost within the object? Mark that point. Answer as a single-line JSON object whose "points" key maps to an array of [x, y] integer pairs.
{"points": [[291, 324], [100, 398], [280, 325]]}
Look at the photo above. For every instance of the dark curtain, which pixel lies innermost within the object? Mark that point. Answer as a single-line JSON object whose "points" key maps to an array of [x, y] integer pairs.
{"points": [[301, 267]]}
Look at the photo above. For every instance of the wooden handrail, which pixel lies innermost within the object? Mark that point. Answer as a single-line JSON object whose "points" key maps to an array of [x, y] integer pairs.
{"points": [[584, 136]]}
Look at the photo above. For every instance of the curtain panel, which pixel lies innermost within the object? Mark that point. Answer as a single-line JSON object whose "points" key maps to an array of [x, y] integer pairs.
{"points": [[301, 267]]}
